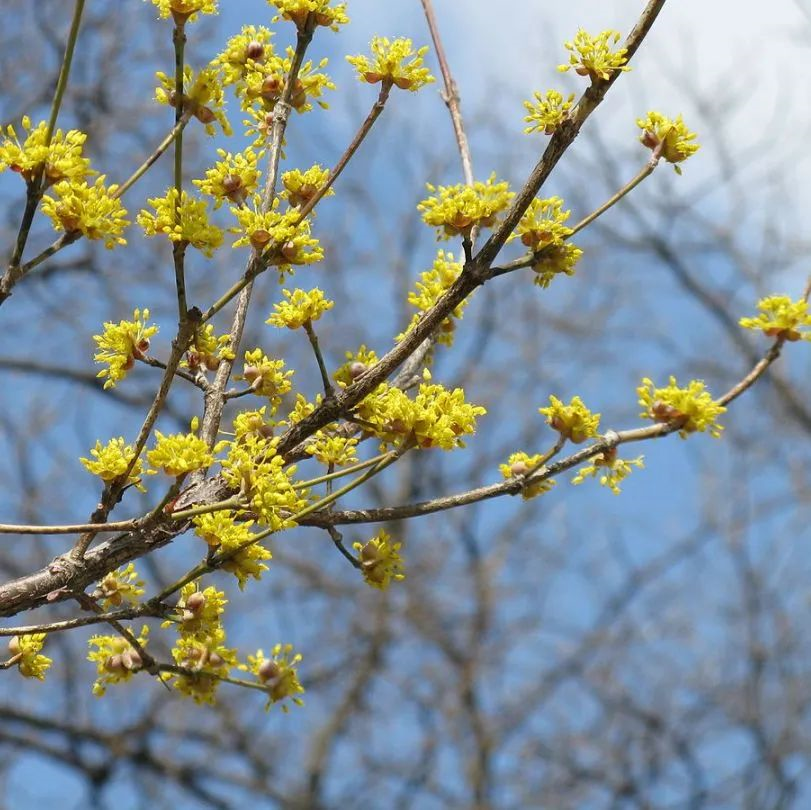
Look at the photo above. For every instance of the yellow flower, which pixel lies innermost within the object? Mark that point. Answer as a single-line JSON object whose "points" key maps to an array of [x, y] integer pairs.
{"points": [[337, 450], [672, 136], [193, 228], [547, 112], [380, 562], [232, 178], [324, 14], [116, 661], [300, 307], [593, 56], [277, 674], [266, 377], [436, 417], [182, 10], [693, 408], [121, 344], [203, 96], [265, 84], [112, 460], [520, 464], [542, 224], [553, 260], [253, 468], [62, 158], [25, 653], [611, 470], [205, 658], [118, 587], [574, 421], [301, 187], [253, 422], [355, 365], [223, 533], [198, 612], [179, 454], [388, 64], [207, 350], [93, 211], [782, 318], [282, 239], [456, 210], [433, 284], [243, 53]]}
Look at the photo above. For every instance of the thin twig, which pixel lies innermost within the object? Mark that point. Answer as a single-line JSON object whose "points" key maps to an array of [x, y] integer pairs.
{"points": [[313, 338]]}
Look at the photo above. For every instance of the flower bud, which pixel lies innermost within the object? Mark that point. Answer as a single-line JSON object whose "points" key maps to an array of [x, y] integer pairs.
{"points": [[204, 115], [268, 670], [114, 664], [356, 369], [196, 602], [255, 51], [131, 660], [519, 468], [14, 645]]}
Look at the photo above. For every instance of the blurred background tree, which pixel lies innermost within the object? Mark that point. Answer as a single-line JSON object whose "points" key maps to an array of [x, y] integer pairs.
{"points": [[577, 650]]}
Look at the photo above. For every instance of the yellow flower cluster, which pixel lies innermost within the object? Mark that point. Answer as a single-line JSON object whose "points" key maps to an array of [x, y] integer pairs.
{"points": [[543, 231], [207, 350], [693, 408], [323, 13], [93, 211], [233, 177], [574, 421], [265, 82], [112, 460], [25, 654], [193, 227], [456, 210], [60, 160], [203, 96], [300, 187], [337, 450], [432, 285], [782, 318], [380, 562], [671, 137], [266, 377], [521, 463], [355, 365], [115, 659], [222, 533], [118, 587], [182, 10], [198, 612], [253, 467], [121, 344], [612, 471], [436, 417], [179, 454], [277, 674], [393, 62], [247, 423], [283, 239], [593, 56], [300, 307], [206, 659], [243, 53], [547, 112]]}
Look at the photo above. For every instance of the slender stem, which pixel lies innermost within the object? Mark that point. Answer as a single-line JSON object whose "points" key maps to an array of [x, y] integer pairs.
{"points": [[69, 528], [175, 132], [354, 145], [308, 328], [340, 473], [230, 503], [179, 248], [451, 95], [62, 81], [215, 398]]}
